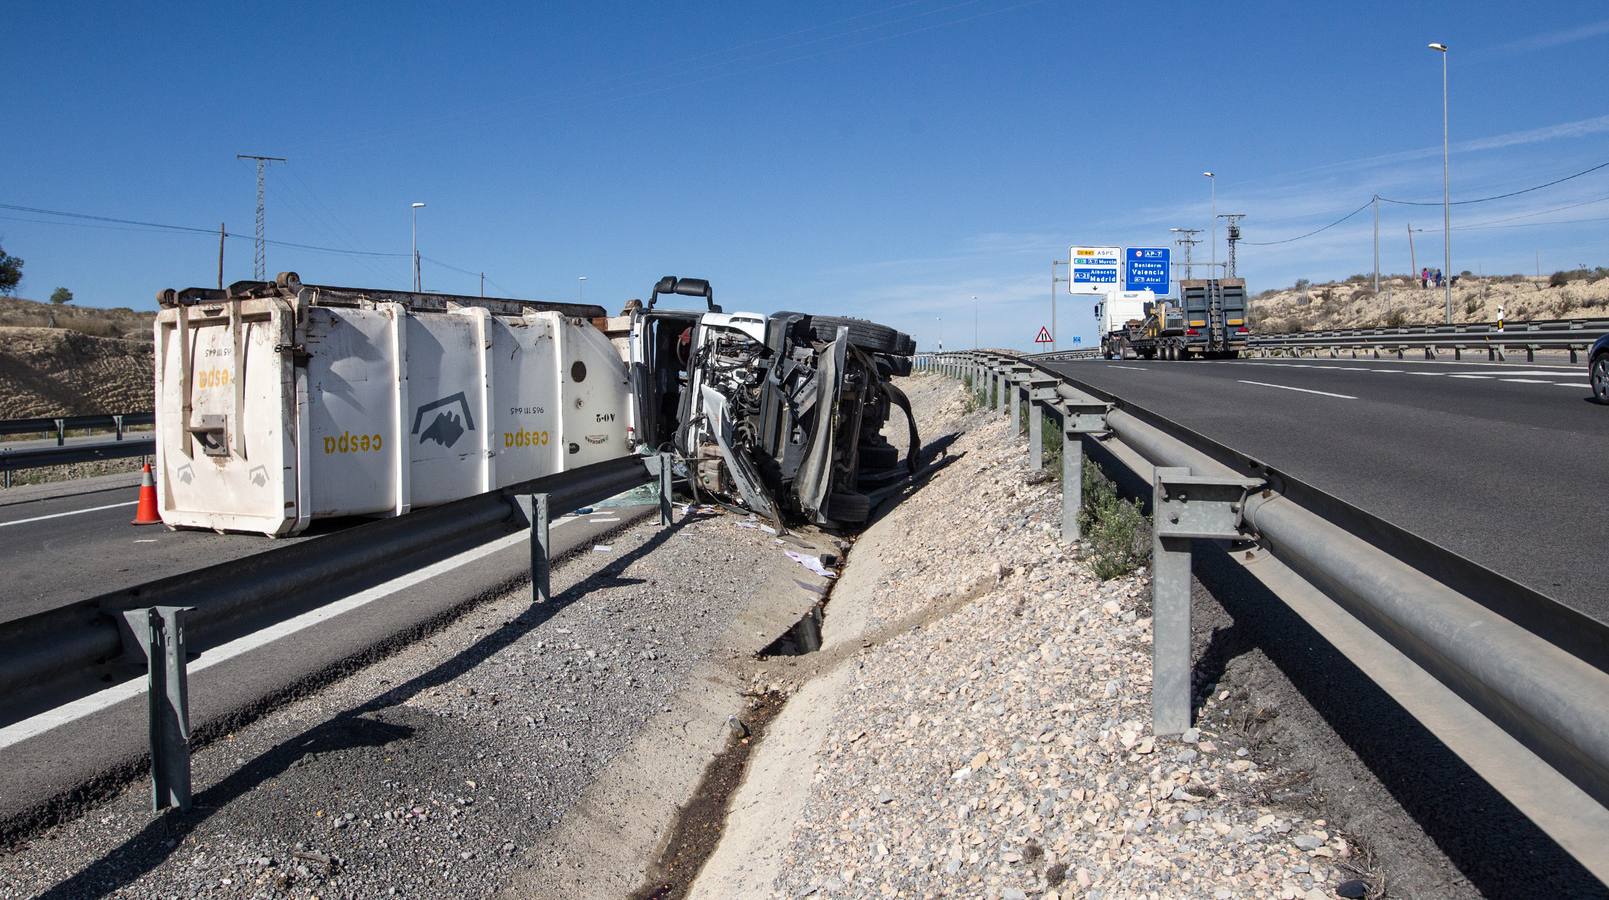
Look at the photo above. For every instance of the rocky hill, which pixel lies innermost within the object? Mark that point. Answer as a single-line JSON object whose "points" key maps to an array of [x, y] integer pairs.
{"points": [[1583, 293]]}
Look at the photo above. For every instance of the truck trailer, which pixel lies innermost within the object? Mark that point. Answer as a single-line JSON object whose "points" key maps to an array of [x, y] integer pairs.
{"points": [[1208, 321]]}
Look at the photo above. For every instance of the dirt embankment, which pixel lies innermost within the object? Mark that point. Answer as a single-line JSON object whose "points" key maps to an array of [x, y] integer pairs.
{"points": [[1401, 301], [56, 371]]}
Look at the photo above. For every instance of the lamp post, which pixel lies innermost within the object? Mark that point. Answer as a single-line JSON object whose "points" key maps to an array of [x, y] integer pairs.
{"points": [[1446, 191], [974, 321], [580, 288], [418, 285], [1213, 180]]}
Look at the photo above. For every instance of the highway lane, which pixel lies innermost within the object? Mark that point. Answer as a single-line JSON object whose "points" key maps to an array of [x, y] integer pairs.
{"points": [[57, 550], [1504, 464]]}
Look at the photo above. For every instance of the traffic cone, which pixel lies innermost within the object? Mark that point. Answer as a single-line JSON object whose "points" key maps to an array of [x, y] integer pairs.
{"points": [[145, 513]]}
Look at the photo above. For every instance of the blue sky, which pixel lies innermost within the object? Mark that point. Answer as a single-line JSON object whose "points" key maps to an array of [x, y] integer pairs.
{"points": [[886, 160]]}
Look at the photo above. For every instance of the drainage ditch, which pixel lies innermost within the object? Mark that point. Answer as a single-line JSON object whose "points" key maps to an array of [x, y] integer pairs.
{"points": [[700, 823]]}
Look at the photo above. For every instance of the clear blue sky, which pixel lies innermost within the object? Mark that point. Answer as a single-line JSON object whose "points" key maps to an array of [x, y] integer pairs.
{"points": [[886, 160]]}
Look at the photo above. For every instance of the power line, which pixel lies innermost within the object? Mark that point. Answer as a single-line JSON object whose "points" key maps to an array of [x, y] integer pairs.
{"points": [[1314, 231], [1604, 165]]}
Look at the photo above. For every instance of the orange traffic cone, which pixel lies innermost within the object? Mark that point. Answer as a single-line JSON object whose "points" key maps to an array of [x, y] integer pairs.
{"points": [[145, 513]]}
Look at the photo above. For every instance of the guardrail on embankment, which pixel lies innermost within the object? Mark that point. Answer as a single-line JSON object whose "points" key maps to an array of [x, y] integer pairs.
{"points": [[53, 659], [1519, 679], [17, 458], [1572, 335]]}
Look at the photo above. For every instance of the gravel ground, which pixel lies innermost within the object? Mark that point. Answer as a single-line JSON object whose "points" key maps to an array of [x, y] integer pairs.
{"points": [[1004, 751], [430, 773]]}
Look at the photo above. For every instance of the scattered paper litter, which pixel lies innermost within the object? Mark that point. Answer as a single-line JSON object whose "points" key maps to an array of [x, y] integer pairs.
{"points": [[810, 562], [747, 523], [601, 548], [768, 529]]}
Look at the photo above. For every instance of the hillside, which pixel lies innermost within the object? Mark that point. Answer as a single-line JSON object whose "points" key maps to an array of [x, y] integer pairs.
{"points": [[56, 371], [120, 322], [1583, 293]]}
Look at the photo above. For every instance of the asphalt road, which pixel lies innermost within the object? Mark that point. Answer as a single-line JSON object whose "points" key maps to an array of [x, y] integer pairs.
{"points": [[57, 550], [1502, 463]]}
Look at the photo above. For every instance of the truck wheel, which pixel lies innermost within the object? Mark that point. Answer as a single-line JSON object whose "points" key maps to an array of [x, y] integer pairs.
{"points": [[849, 508], [865, 335], [1184, 353]]}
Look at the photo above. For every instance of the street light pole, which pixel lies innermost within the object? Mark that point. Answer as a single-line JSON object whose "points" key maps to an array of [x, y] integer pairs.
{"points": [[1446, 191], [418, 284], [1213, 179], [974, 321]]}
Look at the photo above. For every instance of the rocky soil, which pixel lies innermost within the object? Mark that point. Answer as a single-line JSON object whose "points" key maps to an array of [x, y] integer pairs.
{"points": [[1401, 301], [56, 371], [1004, 750]]}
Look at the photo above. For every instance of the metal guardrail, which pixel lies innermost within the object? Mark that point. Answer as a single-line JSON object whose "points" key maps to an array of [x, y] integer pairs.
{"points": [[17, 458], [1529, 666], [60, 425], [54, 657], [1573, 335]]}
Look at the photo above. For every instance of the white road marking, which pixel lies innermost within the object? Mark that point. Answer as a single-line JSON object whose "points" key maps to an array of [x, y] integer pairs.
{"points": [[1124, 368], [1396, 371], [1573, 384], [1488, 377], [1427, 373], [1286, 387], [76, 512], [18, 732], [1526, 381]]}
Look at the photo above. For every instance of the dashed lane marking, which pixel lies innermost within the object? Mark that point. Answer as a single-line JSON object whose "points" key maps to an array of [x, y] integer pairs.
{"points": [[1286, 387]]}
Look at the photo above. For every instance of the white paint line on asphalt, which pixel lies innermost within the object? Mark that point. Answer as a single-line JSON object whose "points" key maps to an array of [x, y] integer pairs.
{"points": [[1122, 368], [1574, 384], [18, 732], [1286, 387], [1394, 371], [76, 512], [1428, 373], [1487, 377], [1525, 380]]}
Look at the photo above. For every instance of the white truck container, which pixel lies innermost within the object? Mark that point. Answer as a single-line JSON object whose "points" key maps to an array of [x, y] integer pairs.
{"points": [[278, 404], [1120, 307]]}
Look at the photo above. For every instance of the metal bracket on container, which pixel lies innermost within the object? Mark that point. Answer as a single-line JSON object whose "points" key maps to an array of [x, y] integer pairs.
{"points": [[212, 431], [1184, 507], [158, 633]]}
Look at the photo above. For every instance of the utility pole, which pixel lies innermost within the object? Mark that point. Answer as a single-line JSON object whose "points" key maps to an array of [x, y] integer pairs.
{"points": [[1446, 189], [1413, 259], [259, 268], [221, 235], [1053, 282], [974, 321], [1188, 241], [1377, 244], [483, 284], [1232, 220]]}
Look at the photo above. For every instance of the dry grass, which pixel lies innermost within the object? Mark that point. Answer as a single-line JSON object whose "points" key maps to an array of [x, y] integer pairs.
{"points": [[120, 322]]}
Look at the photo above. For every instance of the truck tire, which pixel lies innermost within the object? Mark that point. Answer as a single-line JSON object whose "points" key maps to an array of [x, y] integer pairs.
{"points": [[849, 508], [877, 457], [865, 335]]}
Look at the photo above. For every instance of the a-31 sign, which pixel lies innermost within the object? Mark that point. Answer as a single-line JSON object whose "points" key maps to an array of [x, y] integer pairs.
{"points": [[1094, 269]]}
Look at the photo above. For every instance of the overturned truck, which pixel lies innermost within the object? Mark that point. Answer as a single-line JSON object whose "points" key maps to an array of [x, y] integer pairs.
{"points": [[281, 403]]}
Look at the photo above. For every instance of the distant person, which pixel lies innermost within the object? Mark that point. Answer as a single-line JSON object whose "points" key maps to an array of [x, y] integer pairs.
{"points": [[1424, 277], [1435, 276]]}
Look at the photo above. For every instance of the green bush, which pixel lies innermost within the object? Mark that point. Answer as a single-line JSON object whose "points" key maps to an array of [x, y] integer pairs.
{"points": [[1118, 533], [1558, 279]]}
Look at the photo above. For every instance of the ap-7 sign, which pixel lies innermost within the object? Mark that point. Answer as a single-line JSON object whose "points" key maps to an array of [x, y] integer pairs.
{"points": [[1147, 269]]}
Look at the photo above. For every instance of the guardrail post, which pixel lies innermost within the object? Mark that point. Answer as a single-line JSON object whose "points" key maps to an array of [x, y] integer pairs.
{"points": [[541, 565], [159, 632], [1016, 407], [662, 462], [118, 422], [1184, 507], [61, 432], [1078, 418], [1041, 390]]}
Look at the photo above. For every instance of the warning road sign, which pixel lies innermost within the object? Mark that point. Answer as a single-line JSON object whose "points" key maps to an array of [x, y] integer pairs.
{"points": [[1044, 336]]}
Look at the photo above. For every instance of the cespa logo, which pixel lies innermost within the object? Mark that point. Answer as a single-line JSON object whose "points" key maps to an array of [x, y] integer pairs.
{"points": [[523, 438], [347, 442]]}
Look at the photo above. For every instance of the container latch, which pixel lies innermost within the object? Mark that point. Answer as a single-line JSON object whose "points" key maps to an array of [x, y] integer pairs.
{"points": [[212, 433]]}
